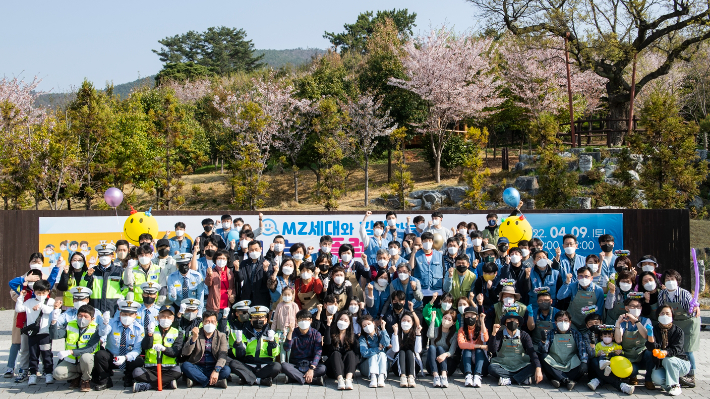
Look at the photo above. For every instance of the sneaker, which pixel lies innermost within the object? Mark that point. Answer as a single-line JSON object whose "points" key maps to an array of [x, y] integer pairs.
{"points": [[675, 390], [603, 364], [687, 381], [476, 381], [173, 384], [607, 371], [528, 381], [555, 383], [21, 376], [403, 381], [373, 381], [444, 382], [627, 389], [266, 382], [86, 386], [140, 386], [190, 383], [570, 385], [504, 381], [222, 383], [468, 382], [107, 385], [48, 379], [341, 383], [9, 373], [349, 384], [412, 382], [381, 380], [437, 382], [649, 385], [32, 380], [593, 384]]}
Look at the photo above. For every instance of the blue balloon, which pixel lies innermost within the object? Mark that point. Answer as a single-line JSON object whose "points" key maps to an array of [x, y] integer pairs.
{"points": [[511, 197]]}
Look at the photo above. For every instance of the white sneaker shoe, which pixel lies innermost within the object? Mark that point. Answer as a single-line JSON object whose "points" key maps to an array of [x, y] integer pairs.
{"points": [[628, 389], [593, 384], [444, 382], [437, 382], [477, 381], [412, 382], [348, 384], [504, 381], [32, 380], [607, 371], [604, 364], [675, 390], [341, 383], [469, 381], [403, 381], [48, 379], [373, 380], [381, 380]]}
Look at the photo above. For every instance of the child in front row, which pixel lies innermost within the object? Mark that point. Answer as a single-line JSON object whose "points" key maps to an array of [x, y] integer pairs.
{"points": [[604, 350]]}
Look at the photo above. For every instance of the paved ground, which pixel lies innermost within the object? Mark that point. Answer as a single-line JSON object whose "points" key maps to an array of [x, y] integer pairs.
{"points": [[423, 390]]}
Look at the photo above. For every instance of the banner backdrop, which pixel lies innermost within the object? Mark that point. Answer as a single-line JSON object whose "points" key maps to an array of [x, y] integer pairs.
{"points": [[64, 234]]}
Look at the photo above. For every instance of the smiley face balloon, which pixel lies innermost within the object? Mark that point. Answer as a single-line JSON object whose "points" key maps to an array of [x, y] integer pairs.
{"points": [[515, 228], [139, 223]]}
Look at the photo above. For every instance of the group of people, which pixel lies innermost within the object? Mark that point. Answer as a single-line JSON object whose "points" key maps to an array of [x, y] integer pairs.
{"points": [[223, 306]]}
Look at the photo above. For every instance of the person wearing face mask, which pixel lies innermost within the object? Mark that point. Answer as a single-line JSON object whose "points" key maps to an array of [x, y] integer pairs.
{"points": [[526, 253], [513, 356], [239, 249], [428, 267], [474, 250], [185, 283], [179, 243], [221, 292], [275, 255], [122, 349], [252, 275], [105, 280], [377, 292], [306, 346], [393, 313], [473, 341], [491, 231], [255, 349], [406, 341], [443, 345], [672, 365], [451, 251], [209, 232], [326, 246], [606, 256], [647, 264], [383, 263], [206, 354], [631, 332], [358, 273], [225, 228], [339, 287], [571, 261], [410, 285], [72, 273], [488, 253], [392, 233], [617, 295], [374, 243], [238, 318], [284, 276], [166, 340], [374, 342], [188, 316], [147, 314], [325, 314], [285, 312], [487, 286], [600, 274], [564, 353], [202, 263], [38, 312], [679, 300], [308, 288], [542, 318], [356, 310], [582, 293], [432, 312], [82, 340], [599, 355], [507, 299], [80, 297], [419, 226], [394, 249], [144, 271], [339, 347], [649, 286], [164, 260], [436, 225], [515, 270], [459, 280]]}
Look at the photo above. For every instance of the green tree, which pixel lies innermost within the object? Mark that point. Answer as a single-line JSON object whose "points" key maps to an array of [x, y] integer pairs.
{"points": [[402, 183], [356, 35], [181, 71], [330, 146], [473, 176], [557, 184]]}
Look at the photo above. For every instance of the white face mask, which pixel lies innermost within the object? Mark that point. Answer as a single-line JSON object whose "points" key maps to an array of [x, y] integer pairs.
{"points": [[462, 308], [209, 328], [35, 266], [393, 251], [570, 250], [445, 306], [244, 244], [563, 325], [525, 252], [77, 305], [254, 255], [403, 276], [41, 298], [369, 329], [436, 221], [278, 247], [306, 275], [179, 233], [625, 286], [287, 299], [593, 266], [221, 262], [346, 258], [477, 242], [406, 326], [421, 226], [665, 319], [226, 225], [377, 232], [584, 282], [648, 268], [650, 286], [391, 222], [165, 323], [304, 324], [190, 316], [463, 232], [127, 320], [427, 245], [607, 340], [382, 282], [635, 312], [83, 322], [287, 270], [515, 259], [508, 301], [452, 250], [353, 308], [338, 279], [331, 309], [143, 260], [298, 256], [325, 249], [447, 323], [382, 262], [77, 264], [31, 285], [541, 263], [343, 324]]}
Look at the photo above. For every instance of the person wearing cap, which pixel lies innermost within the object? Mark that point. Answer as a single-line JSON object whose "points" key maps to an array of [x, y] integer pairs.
{"points": [[123, 347], [166, 340], [240, 316], [252, 275], [543, 276], [165, 261], [306, 346], [208, 226], [583, 293], [105, 280], [488, 253], [513, 356], [80, 297], [503, 245], [647, 264], [508, 300], [542, 318], [148, 312], [144, 271], [255, 347], [185, 283], [189, 316], [563, 355], [81, 341], [473, 341], [220, 286], [205, 353]]}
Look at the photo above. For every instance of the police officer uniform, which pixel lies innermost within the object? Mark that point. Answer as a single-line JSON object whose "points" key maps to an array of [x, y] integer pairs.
{"points": [[254, 351], [185, 283], [79, 296], [106, 282], [168, 342], [184, 323], [148, 313]]}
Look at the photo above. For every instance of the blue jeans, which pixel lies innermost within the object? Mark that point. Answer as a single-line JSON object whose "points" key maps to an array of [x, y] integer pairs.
{"points": [[377, 364], [670, 371], [691, 358], [480, 362], [201, 374], [14, 350], [432, 365]]}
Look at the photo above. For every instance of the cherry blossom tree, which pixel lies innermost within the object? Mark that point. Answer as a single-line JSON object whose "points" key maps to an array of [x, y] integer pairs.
{"points": [[17, 103], [365, 124], [453, 74], [189, 91], [290, 141]]}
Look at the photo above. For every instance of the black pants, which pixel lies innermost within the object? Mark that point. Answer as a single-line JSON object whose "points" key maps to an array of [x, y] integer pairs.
{"points": [[40, 345], [150, 375], [338, 365], [555, 374], [297, 376], [103, 365], [249, 374], [407, 365]]}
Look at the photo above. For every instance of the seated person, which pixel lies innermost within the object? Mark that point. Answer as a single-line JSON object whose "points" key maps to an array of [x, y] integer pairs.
{"points": [[666, 342], [473, 340], [508, 300], [600, 353], [516, 361], [306, 346], [76, 361], [564, 353], [256, 364], [206, 354], [541, 320], [164, 341]]}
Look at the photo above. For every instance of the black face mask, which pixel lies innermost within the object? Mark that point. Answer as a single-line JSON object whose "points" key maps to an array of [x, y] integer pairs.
{"points": [[607, 247], [243, 317], [503, 248], [461, 269], [544, 305], [148, 300], [209, 253], [164, 252], [397, 306], [489, 258], [469, 321], [258, 324], [512, 325], [207, 228], [183, 268]]}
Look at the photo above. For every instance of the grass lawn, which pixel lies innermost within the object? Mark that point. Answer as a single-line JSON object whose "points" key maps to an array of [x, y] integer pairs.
{"points": [[699, 233]]}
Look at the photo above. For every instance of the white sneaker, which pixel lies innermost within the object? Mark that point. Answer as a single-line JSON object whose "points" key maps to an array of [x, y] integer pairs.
{"points": [[373, 381], [381, 380], [675, 390], [604, 364], [477, 381], [412, 382], [444, 382], [629, 389], [607, 371], [348, 384], [341, 383], [48, 379], [593, 384], [504, 381], [32, 380], [437, 382], [403, 381], [469, 381]]}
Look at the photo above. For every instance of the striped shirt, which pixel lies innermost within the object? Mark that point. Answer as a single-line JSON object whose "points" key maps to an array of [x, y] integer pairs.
{"points": [[679, 295]]}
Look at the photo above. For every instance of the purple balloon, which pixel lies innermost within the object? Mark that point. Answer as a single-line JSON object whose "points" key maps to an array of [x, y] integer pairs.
{"points": [[113, 197]]}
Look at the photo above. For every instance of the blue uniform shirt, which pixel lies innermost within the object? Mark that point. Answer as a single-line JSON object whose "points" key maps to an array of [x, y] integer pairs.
{"points": [[71, 313], [180, 247], [152, 311], [430, 274], [134, 337], [571, 266], [196, 287]]}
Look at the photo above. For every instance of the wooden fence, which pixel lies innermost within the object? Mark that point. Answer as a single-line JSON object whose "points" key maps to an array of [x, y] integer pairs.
{"points": [[586, 130], [664, 233]]}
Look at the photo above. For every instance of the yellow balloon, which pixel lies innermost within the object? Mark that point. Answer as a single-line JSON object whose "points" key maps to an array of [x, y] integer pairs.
{"points": [[438, 241], [515, 229], [621, 366], [139, 223]]}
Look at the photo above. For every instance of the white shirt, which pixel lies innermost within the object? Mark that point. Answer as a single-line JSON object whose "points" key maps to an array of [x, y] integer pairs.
{"points": [[27, 307]]}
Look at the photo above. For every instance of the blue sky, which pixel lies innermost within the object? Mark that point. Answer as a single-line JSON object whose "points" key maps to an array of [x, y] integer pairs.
{"points": [[64, 42]]}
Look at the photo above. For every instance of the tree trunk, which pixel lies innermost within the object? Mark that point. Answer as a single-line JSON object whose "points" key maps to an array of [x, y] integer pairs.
{"points": [[437, 167], [69, 204], [367, 178], [295, 185], [389, 166], [619, 127]]}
